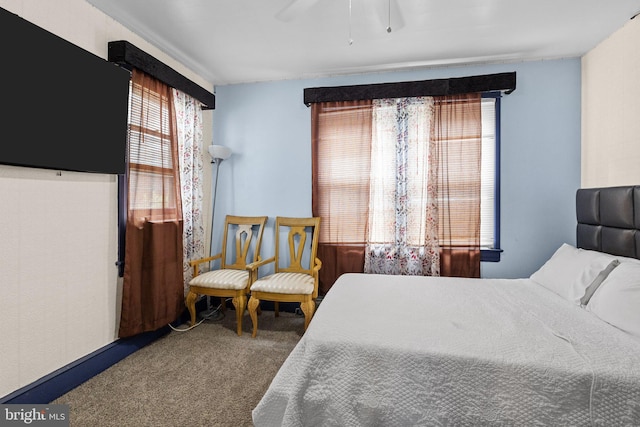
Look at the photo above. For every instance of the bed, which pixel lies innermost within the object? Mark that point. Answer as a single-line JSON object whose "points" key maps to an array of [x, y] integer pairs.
{"points": [[561, 347]]}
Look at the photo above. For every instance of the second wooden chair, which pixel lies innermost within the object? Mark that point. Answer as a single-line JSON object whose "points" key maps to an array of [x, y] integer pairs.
{"points": [[296, 269]]}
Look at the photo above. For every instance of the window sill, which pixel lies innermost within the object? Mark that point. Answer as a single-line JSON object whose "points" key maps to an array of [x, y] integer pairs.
{"points": [[490, 255]]}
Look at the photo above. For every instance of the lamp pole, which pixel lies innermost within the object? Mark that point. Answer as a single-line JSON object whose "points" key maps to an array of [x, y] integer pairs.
{"points": [[218, 153], [216, 162]]}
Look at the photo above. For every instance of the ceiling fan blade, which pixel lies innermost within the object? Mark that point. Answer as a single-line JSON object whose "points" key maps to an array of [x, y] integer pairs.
{"points": [[293, 9], [386, 9]]}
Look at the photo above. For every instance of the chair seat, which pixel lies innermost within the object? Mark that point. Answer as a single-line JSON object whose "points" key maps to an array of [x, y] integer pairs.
{"points": [[222, 279], [285, 283]]}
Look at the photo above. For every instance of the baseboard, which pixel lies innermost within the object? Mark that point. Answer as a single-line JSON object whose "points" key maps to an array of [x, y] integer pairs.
{"points": [[65, 379]]}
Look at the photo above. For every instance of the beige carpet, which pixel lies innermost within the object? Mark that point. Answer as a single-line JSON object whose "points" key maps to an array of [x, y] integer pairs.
{"points": [[207, 376]]}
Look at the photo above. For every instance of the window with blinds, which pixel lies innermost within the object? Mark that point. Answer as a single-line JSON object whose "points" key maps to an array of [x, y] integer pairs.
{"points": [[151, 173], [344, 175], [460, 160], [488, 190], [344, 132]]}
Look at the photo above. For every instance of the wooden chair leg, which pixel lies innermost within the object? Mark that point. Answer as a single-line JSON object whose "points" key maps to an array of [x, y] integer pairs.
{"points": [[276, 308], [239, 302], [308, 308], [223, 304], [253, 305], [191, 305]]}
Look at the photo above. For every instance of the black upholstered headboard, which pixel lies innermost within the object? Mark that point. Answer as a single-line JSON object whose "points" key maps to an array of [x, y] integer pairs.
{"points": [[609, 220]]}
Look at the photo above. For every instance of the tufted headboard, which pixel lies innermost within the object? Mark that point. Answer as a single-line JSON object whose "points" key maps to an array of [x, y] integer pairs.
{"points": [[609, 220]]}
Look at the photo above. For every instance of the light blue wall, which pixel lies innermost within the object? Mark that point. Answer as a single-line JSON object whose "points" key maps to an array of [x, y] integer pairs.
{"points": [[269, 130]]}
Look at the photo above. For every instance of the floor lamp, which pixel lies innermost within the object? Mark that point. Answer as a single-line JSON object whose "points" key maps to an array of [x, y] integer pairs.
{"points": [[218, 153]]}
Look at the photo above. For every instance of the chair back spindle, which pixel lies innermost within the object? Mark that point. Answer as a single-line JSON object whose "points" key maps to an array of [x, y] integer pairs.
{"points": [[243, 237]]}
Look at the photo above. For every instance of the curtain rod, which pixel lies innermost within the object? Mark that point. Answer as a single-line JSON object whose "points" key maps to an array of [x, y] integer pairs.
{"points": [[129, 56], [503, 82]]}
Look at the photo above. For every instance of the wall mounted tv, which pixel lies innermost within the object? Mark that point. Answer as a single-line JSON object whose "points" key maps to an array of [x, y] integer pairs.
{"points": [[61, 107]]}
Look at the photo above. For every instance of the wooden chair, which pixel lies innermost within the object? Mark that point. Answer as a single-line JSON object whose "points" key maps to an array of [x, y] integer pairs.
{"points": [[291, 281], [231, 280]]}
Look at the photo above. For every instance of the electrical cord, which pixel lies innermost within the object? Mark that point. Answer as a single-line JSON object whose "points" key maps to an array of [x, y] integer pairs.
{"points": [[219, 316], [186, 329]]}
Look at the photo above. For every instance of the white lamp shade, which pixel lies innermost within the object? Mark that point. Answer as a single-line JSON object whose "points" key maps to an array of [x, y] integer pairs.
{"points": [[219, 152]]}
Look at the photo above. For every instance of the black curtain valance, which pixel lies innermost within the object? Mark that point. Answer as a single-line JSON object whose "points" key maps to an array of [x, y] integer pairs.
{"points": [[129, 56], [501, 82]]}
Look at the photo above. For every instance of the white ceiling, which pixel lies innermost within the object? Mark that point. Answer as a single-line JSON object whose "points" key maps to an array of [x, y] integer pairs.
{"points": [[238, 41]]}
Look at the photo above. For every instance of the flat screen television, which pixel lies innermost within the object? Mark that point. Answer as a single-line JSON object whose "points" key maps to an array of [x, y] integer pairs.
{"points": [[61, 107]]}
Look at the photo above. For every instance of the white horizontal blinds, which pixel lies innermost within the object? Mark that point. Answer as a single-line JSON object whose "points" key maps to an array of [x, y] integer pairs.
{"points": [[458, 133], [151, 158], [344, 140], [487, 190]]}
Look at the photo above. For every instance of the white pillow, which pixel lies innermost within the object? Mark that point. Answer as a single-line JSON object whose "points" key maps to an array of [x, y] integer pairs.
{"points": [[617, 300], [570, 271]]}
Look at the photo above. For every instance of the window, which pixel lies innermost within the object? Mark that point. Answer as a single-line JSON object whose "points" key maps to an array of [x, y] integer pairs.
{"points": [[337, 175], [345, 174], [149, 165], [382, 229], [151, 156], [490, 179]]}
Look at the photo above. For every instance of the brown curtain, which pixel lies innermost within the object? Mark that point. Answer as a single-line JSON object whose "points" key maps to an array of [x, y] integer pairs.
{"points": [[152, 293], [341, 146], [457, 131]]}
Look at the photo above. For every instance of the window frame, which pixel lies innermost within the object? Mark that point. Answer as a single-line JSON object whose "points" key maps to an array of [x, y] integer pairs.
{"points": [[493, 254]]}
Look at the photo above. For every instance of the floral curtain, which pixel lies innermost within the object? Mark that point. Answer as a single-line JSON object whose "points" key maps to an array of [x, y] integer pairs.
{"points": [[403, 214], [188, 114]]}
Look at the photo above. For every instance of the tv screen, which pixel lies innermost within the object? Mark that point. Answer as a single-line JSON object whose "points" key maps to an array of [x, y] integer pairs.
{"points": [[61, 107]]}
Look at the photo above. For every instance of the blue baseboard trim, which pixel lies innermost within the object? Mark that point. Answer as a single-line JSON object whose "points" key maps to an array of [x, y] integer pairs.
{"points": [[50, 387]]}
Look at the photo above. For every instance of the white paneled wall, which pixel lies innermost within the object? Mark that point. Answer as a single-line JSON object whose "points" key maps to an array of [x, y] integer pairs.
{"points": [[59, 290], [58, 278], [611, 110]]}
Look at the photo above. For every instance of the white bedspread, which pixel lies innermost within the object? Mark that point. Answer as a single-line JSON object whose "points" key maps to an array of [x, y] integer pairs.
{"points": [[415, 351]]}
